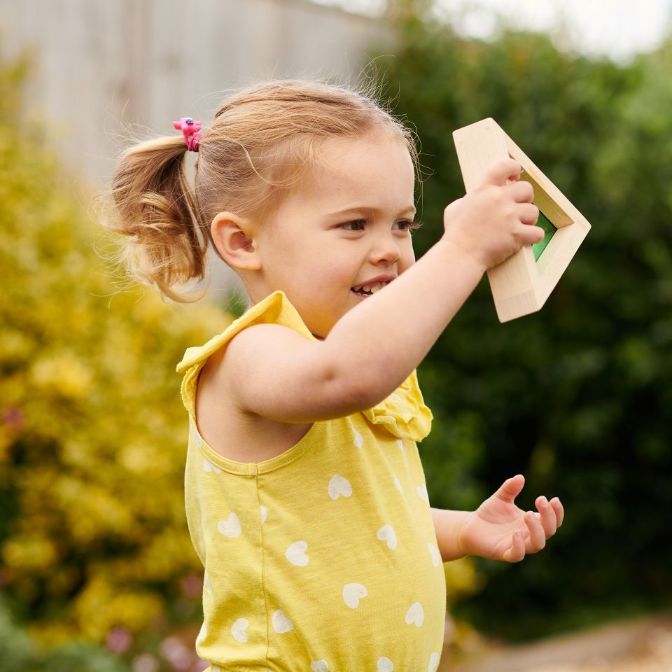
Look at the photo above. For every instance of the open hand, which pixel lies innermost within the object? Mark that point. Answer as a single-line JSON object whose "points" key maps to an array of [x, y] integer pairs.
{"points": [[499, 530]]}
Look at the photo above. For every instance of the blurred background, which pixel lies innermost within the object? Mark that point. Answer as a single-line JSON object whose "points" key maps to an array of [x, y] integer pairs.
{"points": [[96, 568]]}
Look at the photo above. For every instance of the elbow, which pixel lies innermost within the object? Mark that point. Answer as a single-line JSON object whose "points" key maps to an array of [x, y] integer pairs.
{"points": [[360, 389], [358, 397]]}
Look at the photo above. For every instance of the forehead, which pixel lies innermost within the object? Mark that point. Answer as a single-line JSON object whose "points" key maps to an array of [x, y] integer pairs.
{"points": [[376, 166]]}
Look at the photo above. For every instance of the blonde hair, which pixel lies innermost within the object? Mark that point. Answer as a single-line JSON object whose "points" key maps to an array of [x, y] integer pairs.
{"points": [[261, 141]]}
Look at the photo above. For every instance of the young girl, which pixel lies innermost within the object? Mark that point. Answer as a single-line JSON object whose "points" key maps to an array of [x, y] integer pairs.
{"points": [[305, 496]]}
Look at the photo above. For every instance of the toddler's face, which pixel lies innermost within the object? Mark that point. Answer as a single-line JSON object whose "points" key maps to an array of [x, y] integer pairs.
{"points": [[344, 234]]}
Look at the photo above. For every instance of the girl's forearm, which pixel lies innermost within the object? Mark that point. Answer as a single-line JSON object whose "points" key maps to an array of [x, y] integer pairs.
{"points": [[383, 339], [448, 526]]}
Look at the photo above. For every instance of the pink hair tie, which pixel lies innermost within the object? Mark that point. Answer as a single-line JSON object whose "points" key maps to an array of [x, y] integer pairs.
{"points": [[190, 129]]}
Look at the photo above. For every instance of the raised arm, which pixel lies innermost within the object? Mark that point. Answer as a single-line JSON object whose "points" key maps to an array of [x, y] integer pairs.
{"points": [[276, 373]]}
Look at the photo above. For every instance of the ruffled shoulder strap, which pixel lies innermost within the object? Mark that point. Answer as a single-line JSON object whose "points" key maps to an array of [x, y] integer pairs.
{"points": [[274, 309], [403, 413]]}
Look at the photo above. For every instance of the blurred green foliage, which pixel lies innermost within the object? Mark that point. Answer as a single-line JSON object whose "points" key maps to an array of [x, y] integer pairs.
{"points": [[578, 396], [93, 540], [19, 653]]}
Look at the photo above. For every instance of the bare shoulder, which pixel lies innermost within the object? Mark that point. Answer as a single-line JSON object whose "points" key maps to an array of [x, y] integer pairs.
{"points": [[231, 429]]}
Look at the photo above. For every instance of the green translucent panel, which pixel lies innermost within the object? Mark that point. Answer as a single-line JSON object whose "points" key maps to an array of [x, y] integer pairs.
{"points": [[550, 230]]}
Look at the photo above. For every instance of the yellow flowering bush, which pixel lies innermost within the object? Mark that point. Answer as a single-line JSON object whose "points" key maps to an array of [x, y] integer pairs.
{"points": [[92, 430]]}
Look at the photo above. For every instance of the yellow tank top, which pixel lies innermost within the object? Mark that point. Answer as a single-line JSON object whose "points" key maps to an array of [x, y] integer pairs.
{"points": [[323, 558]]}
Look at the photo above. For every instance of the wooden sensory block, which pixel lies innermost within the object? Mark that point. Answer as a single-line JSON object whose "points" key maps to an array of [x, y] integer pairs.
{"points": [[521, 284]]}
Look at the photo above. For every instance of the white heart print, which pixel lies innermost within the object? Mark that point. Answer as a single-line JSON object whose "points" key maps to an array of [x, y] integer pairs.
{"points": [[415, 615], [339, 486], [263, 513], [239, 630], [230, 527], [296, 553], [422, 493], [433, 662], [384, 665], [210, 467], [434, 552], [281, 623], [387, 534], [358, 441], [353, 593], [319, 666]]}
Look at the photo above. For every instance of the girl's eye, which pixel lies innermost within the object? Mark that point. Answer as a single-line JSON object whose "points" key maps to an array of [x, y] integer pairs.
{"points": [[354, 225], [407, 225]]}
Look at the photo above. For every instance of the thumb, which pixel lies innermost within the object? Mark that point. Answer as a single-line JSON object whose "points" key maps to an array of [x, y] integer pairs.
{"points": [[502, 172], [511, 488], [450, 209]]}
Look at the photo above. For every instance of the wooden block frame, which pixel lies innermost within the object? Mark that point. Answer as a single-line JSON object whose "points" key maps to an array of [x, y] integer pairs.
{"points": [[520, 285]]}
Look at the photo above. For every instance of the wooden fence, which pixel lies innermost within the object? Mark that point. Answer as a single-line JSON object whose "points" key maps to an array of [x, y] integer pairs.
{"points": [[103, 68]]}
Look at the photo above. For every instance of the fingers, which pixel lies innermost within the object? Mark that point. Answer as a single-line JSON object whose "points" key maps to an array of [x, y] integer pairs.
{"points": [[537, 539], [521, 191], [543, 524], [559, 510], [547, 516], [528, 235], [538, 526], [528, 213], [503, 172], [517, 550]]}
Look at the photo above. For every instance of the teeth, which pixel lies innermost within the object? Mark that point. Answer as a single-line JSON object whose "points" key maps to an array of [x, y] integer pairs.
{"points": [[371, 288]]}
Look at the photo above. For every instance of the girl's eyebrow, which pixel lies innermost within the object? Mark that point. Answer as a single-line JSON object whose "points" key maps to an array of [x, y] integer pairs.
{"points": [[358, 210]]}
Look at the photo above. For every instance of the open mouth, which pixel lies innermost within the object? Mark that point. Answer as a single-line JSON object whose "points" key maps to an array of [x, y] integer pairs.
{"points": [[368, 289]]}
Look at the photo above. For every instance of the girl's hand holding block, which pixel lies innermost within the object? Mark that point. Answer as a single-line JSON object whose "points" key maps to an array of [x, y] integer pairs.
{"points": [[522, 282], [495, 219]]}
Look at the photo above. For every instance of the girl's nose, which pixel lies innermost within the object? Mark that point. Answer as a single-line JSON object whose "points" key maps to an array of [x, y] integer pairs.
{"points": [[385, 250]]}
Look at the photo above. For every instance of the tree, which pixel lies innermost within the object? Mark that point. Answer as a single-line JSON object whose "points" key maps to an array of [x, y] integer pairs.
{"points": [[575, 396]]}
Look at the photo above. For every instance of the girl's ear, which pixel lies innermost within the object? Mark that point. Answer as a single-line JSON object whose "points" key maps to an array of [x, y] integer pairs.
{"points": [[232, 237]]}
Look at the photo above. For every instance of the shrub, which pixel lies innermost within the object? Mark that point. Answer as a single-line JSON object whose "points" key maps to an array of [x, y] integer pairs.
{"points": [[92, 430]]}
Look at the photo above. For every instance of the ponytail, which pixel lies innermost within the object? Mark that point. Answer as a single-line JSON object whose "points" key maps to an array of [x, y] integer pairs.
{"points": [[158, 216]]}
